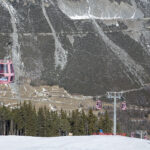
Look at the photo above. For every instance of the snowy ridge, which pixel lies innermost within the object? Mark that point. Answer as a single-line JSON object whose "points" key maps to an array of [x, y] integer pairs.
{"points": [[84, 17], [60, 53], [103, 10]]}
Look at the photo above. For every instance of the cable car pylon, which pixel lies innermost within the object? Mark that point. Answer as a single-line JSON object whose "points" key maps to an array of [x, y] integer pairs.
{"points": [[115, 96]]}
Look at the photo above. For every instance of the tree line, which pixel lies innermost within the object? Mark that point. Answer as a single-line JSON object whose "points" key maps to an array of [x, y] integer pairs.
{"points": [[26, 120]]}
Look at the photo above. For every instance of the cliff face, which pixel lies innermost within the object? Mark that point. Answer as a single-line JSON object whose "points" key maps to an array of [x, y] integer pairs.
{"points": [[85, 46]]}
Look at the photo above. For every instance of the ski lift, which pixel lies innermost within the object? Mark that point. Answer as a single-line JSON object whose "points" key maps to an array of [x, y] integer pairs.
{"points": [[7, 74], [98, 104], [123, 105]]}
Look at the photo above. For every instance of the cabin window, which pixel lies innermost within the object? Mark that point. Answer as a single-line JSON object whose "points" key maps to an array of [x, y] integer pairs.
{"points": [[3, 68], [3, 78], [12, 78], [11, 68]]}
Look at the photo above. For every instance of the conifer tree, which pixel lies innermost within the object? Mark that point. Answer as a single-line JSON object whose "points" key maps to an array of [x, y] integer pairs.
{"points": [[64, 127], [75, 124], [5, 119], [100, 123], [83, 123], [107, 123], [55, 124], [92, 119], [118, 128], [30, 120], [48, 122], [41, 123], [19, 120]]}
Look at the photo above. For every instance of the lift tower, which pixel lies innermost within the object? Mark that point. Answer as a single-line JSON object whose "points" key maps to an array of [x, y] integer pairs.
{"points": [[115, 96]]}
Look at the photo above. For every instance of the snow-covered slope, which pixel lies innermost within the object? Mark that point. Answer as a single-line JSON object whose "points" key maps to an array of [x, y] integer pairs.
{"points": [[73, 143]]}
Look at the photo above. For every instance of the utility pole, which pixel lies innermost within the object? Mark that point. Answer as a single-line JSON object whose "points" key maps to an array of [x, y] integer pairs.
{"points": [[115, 96]]}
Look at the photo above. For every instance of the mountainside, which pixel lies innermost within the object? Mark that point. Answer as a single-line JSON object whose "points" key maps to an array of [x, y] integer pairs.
{"points": [[85, 46]]}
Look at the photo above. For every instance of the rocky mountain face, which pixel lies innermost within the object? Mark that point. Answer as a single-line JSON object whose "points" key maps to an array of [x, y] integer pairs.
{"points": [[87, 47]]}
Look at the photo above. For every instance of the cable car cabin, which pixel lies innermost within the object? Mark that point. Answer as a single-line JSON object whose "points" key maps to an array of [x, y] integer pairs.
{"points": [[6, 72], [98, 105], [123, 105]]}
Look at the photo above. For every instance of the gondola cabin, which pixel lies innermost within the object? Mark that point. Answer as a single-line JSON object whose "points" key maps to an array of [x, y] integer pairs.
{"points": [[7, 74], [98, 104], [123, 105]]}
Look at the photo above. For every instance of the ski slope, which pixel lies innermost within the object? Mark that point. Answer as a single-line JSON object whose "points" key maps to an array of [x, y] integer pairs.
{"points": [[73, 143]]}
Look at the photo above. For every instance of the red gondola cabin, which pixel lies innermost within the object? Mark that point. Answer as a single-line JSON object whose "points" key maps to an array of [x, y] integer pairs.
{"points": [[123, 105], [98, 105], [6, 72]]}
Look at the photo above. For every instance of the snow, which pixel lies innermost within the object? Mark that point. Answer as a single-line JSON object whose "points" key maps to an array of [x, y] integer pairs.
{"points": [[85, 17], [73, 143]]}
